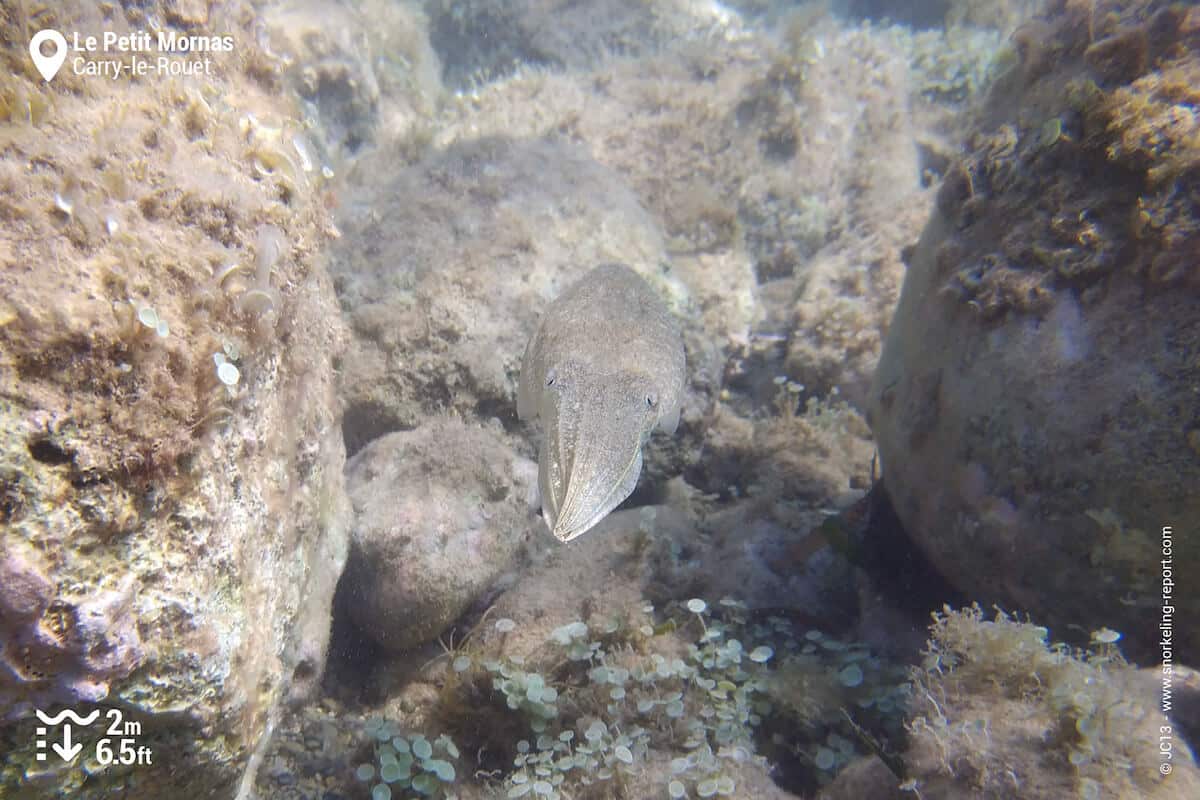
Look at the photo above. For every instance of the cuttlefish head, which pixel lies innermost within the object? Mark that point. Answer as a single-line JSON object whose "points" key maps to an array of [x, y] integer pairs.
{"points": [[591, 456]]}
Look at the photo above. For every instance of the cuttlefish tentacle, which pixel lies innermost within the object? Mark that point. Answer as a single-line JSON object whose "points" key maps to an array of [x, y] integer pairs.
{"points": [[605, 366]]}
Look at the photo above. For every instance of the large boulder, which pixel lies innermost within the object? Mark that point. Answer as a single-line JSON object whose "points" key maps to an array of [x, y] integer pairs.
{"points": [[171, 530], [1035, 403], [441, 513], [444, 267]]}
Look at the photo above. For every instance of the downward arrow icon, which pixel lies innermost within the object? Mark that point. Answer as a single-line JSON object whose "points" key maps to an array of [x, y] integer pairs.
{"points": [[66, 750]]}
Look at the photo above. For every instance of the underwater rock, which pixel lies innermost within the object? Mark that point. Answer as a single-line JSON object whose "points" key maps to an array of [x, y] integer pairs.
{"points": [[592, 579], [186, 13], [59, 651], [764, 562], [816, 454], [809, 179], [572, 658], [172, 512], [748, 777], [826, 240], [366, 72], [1000, 712], [440, 513], [753, 156], [483, 40], [443, 268], [665, 555], [1035, 403], [867, 776]]}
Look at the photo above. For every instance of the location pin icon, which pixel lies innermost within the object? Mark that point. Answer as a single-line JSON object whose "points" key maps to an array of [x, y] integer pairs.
{"points": [[48, 65]]}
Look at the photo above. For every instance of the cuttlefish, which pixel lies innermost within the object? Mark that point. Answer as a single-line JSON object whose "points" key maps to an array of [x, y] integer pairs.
{"points": [[603, 369]]}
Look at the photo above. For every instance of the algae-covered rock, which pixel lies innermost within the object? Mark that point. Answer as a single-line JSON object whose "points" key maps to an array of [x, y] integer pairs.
{"points": [[53, 651], [444, 267], [173, 514], [440, 513], [592, 579], [784, 174], [999, 712], [765, 562], [480, 40], [362, 70], [619, 674], [1035, 404]]}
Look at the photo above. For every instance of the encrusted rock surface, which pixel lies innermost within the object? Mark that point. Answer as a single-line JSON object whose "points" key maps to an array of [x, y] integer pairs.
{"points": [[1035, 404], [440, 513], [170, 543], [445, 266]]}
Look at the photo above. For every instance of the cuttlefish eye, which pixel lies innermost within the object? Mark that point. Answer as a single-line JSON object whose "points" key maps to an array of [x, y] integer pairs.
{"points": [[652, 400], [551, 375]]}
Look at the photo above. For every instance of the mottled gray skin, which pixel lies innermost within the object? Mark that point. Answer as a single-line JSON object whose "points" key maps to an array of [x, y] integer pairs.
{"points": [[604, 367]]}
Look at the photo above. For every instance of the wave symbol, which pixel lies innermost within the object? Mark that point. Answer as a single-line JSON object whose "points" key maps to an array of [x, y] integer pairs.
{"points": [[67, 713]]}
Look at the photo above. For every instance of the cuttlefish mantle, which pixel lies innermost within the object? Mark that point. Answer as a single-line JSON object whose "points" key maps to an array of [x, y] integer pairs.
{"points": [[603, 369]]}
